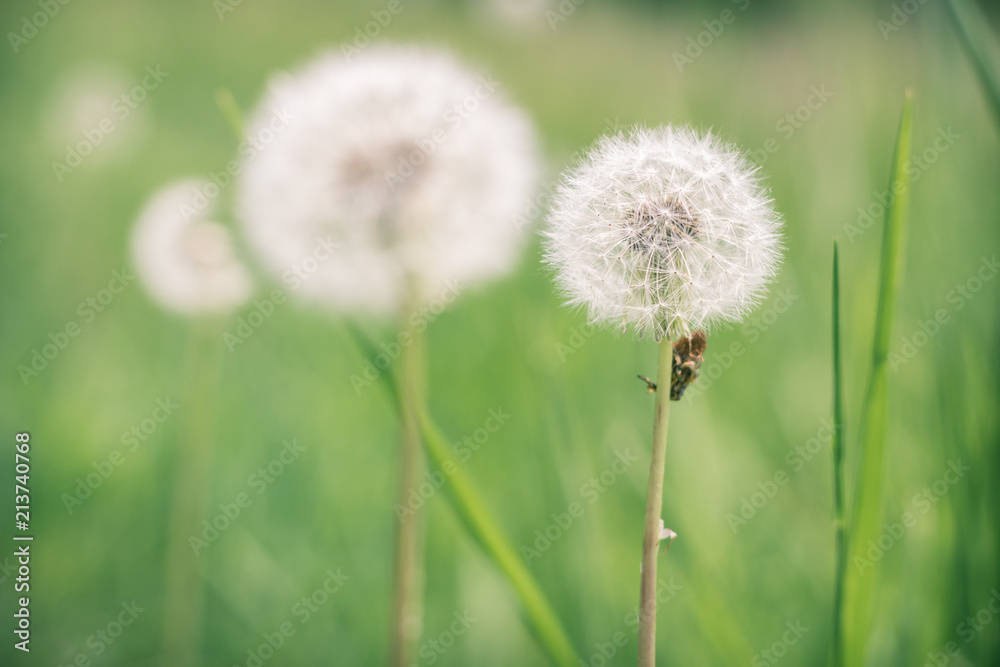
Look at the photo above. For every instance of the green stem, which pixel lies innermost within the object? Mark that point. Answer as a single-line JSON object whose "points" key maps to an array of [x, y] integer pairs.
{"points": [[840, 545], [192, 487], [407, 608], [654, 508]]}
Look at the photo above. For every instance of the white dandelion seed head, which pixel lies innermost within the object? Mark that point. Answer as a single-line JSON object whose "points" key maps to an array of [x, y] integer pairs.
{"points": [[413, 167], [663, 229], [188, 264]]}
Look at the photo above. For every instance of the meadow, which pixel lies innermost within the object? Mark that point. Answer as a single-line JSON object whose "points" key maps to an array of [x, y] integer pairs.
{"points": [[813, 91]]}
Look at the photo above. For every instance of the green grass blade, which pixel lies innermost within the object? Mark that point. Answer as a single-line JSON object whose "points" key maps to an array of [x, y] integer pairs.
{"points": [[475, 516], [971, 26], [838, 471], [231, 112], [867, 509]]}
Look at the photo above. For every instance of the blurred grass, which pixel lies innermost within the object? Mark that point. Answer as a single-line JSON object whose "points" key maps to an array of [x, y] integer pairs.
{"points": [[972, 27], [499, 347], [868, 488], [837, 450]]}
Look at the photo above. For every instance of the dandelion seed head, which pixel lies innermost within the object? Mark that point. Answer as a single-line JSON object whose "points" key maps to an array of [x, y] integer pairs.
{"points": [[187, 263], [663, 229], [415, 168]]}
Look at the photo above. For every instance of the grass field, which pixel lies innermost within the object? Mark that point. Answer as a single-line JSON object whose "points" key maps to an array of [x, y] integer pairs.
{"points": [[815, 91]]}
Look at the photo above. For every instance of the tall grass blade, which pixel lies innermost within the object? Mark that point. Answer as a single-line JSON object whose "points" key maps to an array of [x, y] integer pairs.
{"points": [[838, 471], [867, 510], [971, 25]]}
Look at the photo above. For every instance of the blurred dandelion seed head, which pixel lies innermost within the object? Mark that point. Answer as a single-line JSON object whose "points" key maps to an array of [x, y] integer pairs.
{"points": [[663, 229], [87, 100], [414, 166], [187, 265]]}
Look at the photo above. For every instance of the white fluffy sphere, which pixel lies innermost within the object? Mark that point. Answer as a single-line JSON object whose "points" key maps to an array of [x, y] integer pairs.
{"points": [[663, 229], [187, 264], [411, 166]]}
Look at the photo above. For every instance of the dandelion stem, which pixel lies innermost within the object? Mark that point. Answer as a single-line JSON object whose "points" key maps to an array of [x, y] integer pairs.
{"points": [[654, 507], [407, 607], [840, 545], [192, 487]]}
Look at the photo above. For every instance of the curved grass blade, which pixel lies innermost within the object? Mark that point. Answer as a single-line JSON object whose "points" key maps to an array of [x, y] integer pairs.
{"points": [[981, 50], [867, 510], [475, 516]]}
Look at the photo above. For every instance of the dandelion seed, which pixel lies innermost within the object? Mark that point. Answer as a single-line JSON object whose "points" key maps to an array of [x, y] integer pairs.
{"points": [[187, 266]]}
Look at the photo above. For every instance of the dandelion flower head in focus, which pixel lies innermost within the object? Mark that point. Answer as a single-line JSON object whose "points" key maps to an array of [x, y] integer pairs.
{"points": [[187, 265], [664, 229], [412, 168]]}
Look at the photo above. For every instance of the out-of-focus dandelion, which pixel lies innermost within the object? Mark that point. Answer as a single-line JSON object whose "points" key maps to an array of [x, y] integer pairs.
{"points": [[92, 117], [413, 165], [411, 171], [669, 231], [188, 266]]}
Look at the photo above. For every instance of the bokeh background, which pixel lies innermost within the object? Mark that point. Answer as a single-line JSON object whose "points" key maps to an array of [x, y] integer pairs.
{"points": [[571, 393]]}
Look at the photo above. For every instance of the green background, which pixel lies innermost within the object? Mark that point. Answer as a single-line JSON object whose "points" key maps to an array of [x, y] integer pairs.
{"points": [[510, 345]]}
